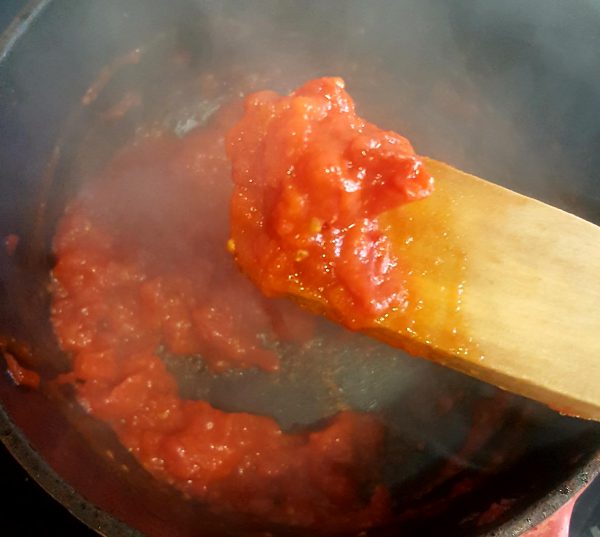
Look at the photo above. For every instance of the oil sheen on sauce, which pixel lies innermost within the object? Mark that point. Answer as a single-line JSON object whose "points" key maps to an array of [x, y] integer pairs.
{"points": [[142, 271]]}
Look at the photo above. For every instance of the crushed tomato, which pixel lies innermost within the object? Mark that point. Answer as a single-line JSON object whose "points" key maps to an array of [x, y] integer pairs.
{"points": [[20, 375], [311, 177], [142, 271]]}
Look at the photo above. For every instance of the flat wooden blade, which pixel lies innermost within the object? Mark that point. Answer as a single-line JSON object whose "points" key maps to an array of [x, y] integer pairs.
{"points": [[503, 288]]}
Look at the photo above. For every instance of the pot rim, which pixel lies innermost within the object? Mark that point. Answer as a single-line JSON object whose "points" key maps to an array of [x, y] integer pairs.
{"points": [[60, 490]]}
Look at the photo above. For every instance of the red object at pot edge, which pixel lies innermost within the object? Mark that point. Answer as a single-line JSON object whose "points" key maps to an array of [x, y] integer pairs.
{"points": [[557, 525]]}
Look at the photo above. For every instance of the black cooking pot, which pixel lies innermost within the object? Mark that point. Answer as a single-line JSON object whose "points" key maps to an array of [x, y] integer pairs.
{"points": [[509, 91]]}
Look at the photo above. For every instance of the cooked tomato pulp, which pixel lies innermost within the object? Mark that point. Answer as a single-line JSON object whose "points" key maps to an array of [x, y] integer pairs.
{"points": [[311, 177], [143, 272]]}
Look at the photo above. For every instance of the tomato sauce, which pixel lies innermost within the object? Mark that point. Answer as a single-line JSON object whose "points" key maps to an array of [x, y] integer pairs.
{"points": [[11, 241], [143, 272], [311, 177], [20, 375]]}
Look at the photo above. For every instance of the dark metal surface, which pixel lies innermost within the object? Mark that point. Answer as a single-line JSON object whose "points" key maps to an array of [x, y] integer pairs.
{"points": [[546, 458]]}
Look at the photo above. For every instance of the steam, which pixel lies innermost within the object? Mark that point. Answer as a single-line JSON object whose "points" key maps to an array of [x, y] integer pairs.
{"points": [[492, 88], [507, 90]]}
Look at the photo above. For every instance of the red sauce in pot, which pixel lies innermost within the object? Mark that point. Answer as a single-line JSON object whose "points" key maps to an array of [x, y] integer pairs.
{"points": [[20, 375], [142, 271], [11, 241], [311, 177]]}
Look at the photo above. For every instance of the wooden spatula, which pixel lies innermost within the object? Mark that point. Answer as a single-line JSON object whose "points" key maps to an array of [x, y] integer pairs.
{"points": [[509, 290], [504, 288]]}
